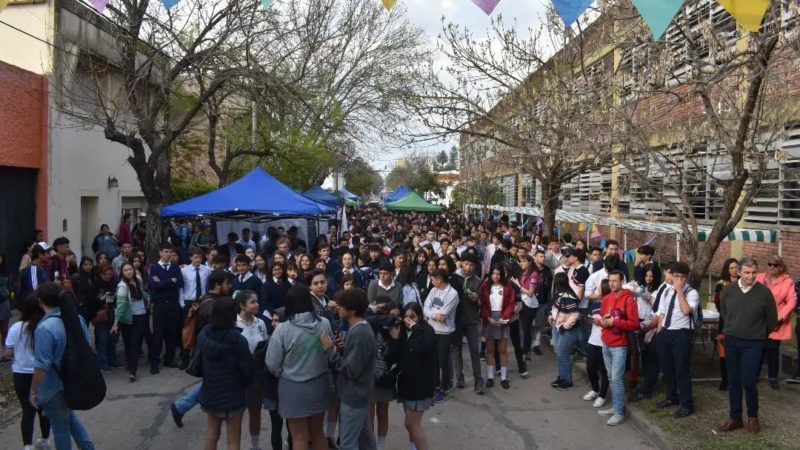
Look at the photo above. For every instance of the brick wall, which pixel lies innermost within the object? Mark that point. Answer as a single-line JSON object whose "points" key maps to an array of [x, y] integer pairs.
{"points": [[23, 117]]}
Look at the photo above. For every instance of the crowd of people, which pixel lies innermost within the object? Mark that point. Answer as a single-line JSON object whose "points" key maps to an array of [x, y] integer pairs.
{"points": [[382, 311]]}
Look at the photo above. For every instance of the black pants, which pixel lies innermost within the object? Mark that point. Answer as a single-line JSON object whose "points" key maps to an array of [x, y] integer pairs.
{"points": [[652, 366], [517, 343], [675, 349], [526, 318], [443, 374], [596, 370], [743, 357], [276, 434], [133, 335], [22, 386], [772, 353], [165, 331]]}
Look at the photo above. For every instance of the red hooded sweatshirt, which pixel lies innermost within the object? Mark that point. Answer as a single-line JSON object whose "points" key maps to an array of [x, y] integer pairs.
{"points": [[622, 307]]}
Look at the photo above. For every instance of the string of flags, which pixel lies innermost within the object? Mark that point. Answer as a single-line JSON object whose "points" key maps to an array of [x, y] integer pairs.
{"points": [[657, 14]]}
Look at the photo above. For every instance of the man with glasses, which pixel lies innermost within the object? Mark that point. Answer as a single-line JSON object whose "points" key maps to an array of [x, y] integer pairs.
{"points": [[749, 312]]}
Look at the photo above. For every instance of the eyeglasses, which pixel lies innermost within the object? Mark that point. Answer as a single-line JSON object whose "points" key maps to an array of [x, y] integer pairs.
{"points": [[773, 265]]}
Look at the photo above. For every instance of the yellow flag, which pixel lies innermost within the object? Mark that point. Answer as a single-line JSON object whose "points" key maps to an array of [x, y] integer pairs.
{"points": [[4, 3], [594, 227], [749, 13], [388, 4], [581, 226]]}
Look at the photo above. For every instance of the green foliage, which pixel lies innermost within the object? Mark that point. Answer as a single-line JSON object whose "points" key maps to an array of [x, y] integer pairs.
{"points": [[482, 191], [417, 175], [362, 180], [183, 189]]}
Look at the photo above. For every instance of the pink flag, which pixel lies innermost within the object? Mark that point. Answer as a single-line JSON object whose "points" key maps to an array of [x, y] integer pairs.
{"points": [[99, 5], [486, 5], [597, 235]]}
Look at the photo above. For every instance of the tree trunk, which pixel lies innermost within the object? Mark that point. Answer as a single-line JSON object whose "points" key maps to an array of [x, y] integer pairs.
{"points": [[154, 231], [550, 192]]}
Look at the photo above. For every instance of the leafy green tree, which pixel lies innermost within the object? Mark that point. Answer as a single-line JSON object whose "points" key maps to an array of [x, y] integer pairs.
{"points": [[442, 159]]}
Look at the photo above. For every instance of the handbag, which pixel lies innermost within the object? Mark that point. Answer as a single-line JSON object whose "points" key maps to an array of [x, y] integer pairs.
{"points": [[195, 367]]}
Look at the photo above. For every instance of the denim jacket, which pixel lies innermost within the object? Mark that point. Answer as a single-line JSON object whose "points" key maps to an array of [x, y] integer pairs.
{"points": [[50, 340]]}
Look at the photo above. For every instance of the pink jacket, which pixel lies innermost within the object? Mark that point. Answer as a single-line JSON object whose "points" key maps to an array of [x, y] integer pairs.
{"points": [[785, 300]]}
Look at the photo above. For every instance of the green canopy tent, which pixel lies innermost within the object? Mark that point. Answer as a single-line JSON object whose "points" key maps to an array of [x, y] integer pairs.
{"points": [[412, 202]]}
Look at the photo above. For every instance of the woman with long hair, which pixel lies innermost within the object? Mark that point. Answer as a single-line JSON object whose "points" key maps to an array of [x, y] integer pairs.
{"points": [[255, 331], [85, 287], [131, 317], [304, 266], [729, 275], [528, 283], [782, 287], [349, 268], [566, 323], [226, 369], [260, 268], [295, 355], [139, 268], [595, 366], [273, 290], [19, 346], [498, 298], [407, 279], [418, 366]]}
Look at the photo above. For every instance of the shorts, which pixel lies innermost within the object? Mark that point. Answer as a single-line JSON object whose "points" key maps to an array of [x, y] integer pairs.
{"points": [[418, 405], [226, 414]]}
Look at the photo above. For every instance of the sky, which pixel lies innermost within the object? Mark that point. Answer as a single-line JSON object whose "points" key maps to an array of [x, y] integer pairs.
{"points": [[428, 14]]}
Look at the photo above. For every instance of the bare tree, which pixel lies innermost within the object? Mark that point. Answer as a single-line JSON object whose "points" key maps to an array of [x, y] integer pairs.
{"points": [[515, 104], [700, 117]]}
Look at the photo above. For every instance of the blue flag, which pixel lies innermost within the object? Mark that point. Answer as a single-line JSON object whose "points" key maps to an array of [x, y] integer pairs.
{"points": [[570, 10], [658, 14], [169, 3], [267, 3]]}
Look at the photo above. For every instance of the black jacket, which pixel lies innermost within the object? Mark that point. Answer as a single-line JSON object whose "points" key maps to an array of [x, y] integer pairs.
{"points": [[423, 284], [418, 363], [251, 283], [273, 296], [227, 369]]}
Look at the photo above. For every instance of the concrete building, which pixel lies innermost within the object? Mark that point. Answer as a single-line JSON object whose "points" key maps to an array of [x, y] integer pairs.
{"points": [[88, 179]]}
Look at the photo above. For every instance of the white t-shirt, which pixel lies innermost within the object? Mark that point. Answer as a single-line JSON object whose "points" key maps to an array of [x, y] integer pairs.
{"points": [[19, 340], [254, 331], [496, 298]]}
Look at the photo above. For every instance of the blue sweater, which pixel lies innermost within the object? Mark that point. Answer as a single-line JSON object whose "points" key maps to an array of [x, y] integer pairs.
{"points": [[165, 290]]}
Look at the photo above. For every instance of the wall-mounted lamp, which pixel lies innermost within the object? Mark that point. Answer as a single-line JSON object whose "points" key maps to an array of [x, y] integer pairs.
{"points": [[113, 182]]}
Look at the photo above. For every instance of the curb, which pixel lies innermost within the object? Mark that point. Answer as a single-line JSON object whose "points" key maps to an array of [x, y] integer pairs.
{"points": [[638, 418]]}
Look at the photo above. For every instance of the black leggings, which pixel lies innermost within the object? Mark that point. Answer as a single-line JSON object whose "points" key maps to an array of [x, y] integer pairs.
{"points": [[22, 385], [526, 318], [276, 436], [596, 369]]}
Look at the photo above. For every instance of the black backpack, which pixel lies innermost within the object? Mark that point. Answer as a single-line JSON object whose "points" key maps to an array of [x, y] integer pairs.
{"points": [[84, 385]]}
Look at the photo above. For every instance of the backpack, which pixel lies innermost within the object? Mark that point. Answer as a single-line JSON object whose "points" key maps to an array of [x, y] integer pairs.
{"points": [[383, 375], [84, 385]]}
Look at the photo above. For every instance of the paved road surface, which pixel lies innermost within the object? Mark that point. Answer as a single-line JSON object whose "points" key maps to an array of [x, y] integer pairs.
{"points": [[531, 415]]}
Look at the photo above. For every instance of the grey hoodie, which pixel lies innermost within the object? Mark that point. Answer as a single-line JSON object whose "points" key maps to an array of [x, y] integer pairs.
{"points": [[295, 351]]}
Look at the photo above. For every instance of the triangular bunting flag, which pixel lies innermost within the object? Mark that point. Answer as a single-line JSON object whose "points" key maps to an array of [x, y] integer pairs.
{"points": [[486, 5], [570, 10], [169, 3], [3, 4], [597, 235], [267, 3], [748, 13], [99, 5], [594, 227], [658, 14], [581, 226], [388, 4]]}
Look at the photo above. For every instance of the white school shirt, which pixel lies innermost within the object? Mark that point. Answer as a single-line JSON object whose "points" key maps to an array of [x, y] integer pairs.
{"points": [[19, 340], [679, 320], [254, 332]]}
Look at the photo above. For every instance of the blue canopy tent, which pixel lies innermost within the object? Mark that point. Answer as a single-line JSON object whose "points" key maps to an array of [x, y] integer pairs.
{"points": [[348, 195], [399, 193], [257, 197], [320, 195]]}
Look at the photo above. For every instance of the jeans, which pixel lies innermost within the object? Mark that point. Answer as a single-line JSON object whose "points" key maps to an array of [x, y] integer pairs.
{"points": [[443, 375], [166, 317], [22, 386], [514, 334], [190, 400], [583, 332], [105, 345], [526, 319], [132, 336], [539, 323], [614, 358], [744, 358], [567, 340], [355, 429], [596, 370], [554, 339], [675, 349], [472, 333], [66, 425]]}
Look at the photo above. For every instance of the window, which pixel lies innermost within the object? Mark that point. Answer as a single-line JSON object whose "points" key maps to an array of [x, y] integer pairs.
{"points": [[778, 200]]}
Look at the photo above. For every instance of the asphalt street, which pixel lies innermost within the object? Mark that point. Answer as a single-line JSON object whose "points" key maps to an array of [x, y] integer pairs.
{"points": [[530, 415]]}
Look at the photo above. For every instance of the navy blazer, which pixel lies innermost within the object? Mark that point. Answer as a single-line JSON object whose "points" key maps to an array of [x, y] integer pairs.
{"points": [[164, 290], [251, 283], [273, 296]]}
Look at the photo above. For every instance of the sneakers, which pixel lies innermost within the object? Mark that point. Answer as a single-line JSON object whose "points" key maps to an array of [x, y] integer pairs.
{"points": [[42, 444], [523, 372], [564, 386], [591, 395], [615, 420], [556, 382], [132, 377], [440, 396], [505, 384], [449, 389], [490, 382], [177, 416], [479, 388], [599, 402], [606, 412]]}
